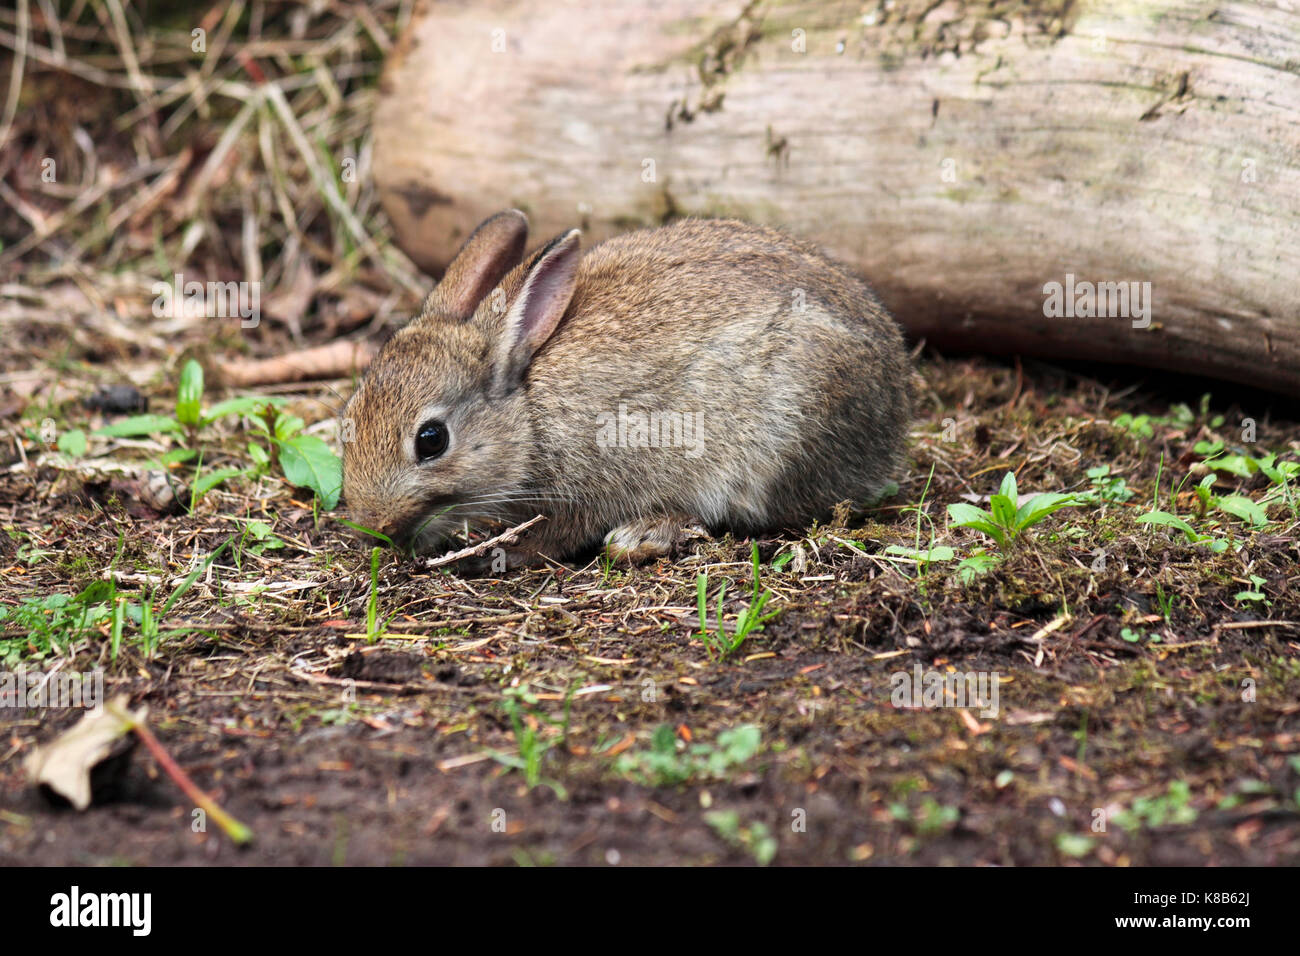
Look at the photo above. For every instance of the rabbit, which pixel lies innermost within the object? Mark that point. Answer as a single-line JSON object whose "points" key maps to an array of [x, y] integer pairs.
{"points": [[709, 374]]}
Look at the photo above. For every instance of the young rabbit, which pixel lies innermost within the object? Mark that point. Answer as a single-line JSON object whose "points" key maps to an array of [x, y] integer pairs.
{"points": [[707, 373]]}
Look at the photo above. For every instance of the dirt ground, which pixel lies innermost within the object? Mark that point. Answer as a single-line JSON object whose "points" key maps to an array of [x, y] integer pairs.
{"points": [[336, 750], [1147, 674]]}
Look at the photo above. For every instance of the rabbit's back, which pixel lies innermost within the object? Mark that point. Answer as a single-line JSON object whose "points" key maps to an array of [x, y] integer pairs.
{"points": [[720, 369]]}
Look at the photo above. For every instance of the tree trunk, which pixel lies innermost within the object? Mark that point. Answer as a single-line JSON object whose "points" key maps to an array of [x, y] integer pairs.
{"points": [[961, 155]]}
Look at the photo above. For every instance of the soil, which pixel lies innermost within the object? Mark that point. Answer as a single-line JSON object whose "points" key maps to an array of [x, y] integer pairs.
{"points": [[337, 750]]}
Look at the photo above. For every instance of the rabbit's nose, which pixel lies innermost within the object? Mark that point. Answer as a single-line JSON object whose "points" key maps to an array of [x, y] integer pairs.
{"points": [[396, 530]]}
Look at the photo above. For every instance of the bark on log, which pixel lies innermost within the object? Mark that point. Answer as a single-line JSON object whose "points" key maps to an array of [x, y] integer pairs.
{"points": [[962, 155]]}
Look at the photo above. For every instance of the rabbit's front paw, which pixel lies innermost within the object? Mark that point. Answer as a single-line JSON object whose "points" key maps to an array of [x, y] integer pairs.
{"points": [[648, 538]]}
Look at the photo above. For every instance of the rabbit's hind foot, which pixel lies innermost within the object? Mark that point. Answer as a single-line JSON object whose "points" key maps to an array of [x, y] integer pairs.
{"points": [[645, 539]]}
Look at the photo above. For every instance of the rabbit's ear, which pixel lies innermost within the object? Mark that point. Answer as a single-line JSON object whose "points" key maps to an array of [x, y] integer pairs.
{"points": [[537, 309], [492, 250]]}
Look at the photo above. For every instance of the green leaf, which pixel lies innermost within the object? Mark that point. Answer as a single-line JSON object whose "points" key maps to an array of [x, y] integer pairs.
{"points": [[762, 844], [1040, 506], [260, 530], [963, 515], [263, 537], [1003, 509], [1073, 844], [140, 425], [1239, 506], [241, 406], [1277, 475], [664, 739], [726, 823], [739, 744], [310, 463], [1165, 519], [1009, 486], [968, 516], [975, 565], [1238, 465], [701, 600], [177, 454], [1139, 425], [73, 443], [189, 396], [258, 454], [205, 483], [286, 426]]}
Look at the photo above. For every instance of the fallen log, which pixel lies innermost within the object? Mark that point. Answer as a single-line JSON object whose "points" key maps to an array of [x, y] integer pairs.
{"points": [[964, 156]]}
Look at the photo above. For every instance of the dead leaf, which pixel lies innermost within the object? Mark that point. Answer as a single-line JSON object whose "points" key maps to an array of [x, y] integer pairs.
{"points": [[66, 763]]}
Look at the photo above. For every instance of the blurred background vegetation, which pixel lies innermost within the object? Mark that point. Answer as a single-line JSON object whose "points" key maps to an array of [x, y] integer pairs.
{"points": [[227, 141]]}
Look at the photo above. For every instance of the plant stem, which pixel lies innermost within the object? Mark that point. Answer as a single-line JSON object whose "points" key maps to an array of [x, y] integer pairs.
{"points": [[237, 831]]}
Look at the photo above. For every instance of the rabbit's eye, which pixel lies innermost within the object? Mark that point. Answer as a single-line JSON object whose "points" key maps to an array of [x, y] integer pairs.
{"points": [[431, 440]]}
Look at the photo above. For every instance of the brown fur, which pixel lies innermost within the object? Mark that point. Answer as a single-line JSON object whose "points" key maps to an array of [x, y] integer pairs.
{"points": [[800, 409]]}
